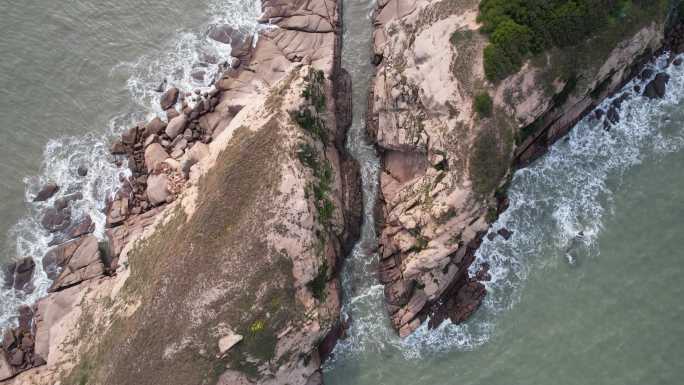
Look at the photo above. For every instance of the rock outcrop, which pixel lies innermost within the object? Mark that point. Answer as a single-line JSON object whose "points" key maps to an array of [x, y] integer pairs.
{"points": [[446, 162], [221, 252]]}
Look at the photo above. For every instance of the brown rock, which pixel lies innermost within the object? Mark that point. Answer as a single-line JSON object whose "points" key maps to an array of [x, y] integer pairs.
{"points": [[154, 155], [467, 301], [8, 339], [85, 263], [505, 233], [656, 88], [176, 126], [155, 127], [46, 192], [171, 113], [158, 189], [56, 258], [151, 139], [169, 98], [117, 148], [19, 274], [129, 136], [82, 227], [56, 220], [16, 357]]}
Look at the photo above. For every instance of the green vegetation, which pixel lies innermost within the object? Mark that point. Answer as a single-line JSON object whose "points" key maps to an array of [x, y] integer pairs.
{"points": [[483, 105], [314, 91], [310, 122], [491, 215], [521, 28], [318, 284], [222, 243]]}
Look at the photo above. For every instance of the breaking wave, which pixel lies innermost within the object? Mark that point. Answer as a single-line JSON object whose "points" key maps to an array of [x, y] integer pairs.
{"points": [[556, 213], [178, 63]]}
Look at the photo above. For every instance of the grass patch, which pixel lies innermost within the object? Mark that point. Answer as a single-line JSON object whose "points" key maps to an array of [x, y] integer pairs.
{"points": [[491, 155]]}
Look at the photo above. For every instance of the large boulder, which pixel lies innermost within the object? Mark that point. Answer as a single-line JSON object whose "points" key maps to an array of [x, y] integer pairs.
{"points": [[18, 275], [154, 127], [56, 258], [154, 155], [85, 263], [656, 88], [176, 126], [81, 227], [169, 98], [46, 192], [158, 189], [55, 219], [224, 33]]}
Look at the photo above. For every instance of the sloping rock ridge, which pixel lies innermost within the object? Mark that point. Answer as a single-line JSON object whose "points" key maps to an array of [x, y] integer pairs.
{"points": [[446, 160], [221, 256]]}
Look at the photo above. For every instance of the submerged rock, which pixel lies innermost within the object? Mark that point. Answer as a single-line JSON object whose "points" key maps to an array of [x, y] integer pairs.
{"points": [[56, 220], [46, 192], [505, 233], [656, 88], [224, 33], [82, 170], [19, 275]]}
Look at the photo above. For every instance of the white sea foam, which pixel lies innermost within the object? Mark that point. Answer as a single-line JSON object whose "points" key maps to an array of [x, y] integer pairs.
{"points": [[557, 207], [194, 60], [189, 51]]}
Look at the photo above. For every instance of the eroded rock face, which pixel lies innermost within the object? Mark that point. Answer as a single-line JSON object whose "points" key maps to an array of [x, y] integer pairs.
{"points": [[442, 162]]}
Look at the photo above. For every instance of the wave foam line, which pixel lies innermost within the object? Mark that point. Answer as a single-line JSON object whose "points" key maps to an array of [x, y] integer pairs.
{"points": [[558, 202]]}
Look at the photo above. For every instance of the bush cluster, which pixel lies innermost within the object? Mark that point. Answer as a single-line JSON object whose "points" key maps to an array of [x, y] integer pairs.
{"points": [[483, 104], [519, 28]]}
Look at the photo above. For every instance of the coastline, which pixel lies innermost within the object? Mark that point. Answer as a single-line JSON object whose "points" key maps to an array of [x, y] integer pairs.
{"points": [[165, 158], [440, 191]]}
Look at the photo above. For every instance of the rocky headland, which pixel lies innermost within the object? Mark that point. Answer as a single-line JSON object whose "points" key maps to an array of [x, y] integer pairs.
{"points": [[221, 251], [450, 137], [220, 258]]}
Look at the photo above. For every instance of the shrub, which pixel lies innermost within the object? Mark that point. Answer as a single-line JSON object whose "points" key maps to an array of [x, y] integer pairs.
{"points": [[513, 38], [519, 28], [497, 65], [317, 285], [483, 104]]}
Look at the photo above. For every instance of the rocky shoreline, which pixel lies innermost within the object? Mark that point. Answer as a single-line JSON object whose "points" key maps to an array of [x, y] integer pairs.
{"points": [[446, 164], [170, 160], [222, 251]]}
